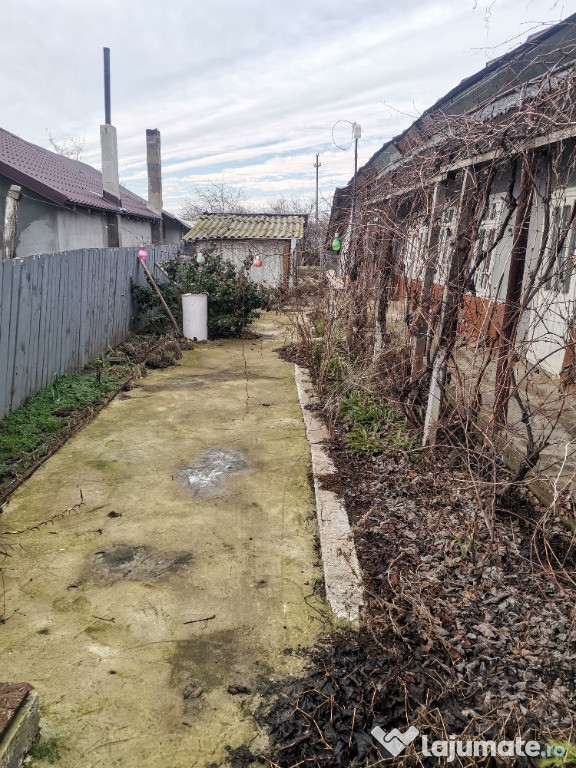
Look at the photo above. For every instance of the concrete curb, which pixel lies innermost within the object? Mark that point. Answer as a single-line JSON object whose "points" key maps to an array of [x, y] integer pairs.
{"points": [[342, 575], [21, 733]]}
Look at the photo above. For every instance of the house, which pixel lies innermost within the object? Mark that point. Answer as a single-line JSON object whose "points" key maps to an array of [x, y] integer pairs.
{"points": [[270, 238], [474, 207], [63, 204]]}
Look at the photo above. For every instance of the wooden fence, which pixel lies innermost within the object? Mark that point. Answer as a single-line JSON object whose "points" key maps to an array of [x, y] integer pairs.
{"points": [[58, 311]]}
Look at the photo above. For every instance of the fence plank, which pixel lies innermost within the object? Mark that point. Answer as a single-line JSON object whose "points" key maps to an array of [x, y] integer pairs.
{"points": [[22, 335], [60, 310], [5, 331], [36, 308], [14, 319]]}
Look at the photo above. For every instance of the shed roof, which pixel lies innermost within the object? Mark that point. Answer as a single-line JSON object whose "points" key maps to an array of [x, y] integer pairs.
{"points": [[62, 180], [247, 226]]}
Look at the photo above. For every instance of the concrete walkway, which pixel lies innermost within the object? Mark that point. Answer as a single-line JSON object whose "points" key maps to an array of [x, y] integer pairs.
{"points": [[196, 507]]}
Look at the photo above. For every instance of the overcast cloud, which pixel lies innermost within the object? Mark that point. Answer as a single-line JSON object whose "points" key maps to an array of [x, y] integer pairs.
{"points": [[248, 91]]}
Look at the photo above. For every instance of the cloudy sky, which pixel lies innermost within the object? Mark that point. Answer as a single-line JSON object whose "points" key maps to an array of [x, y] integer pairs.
{"points": [[246, 91]]}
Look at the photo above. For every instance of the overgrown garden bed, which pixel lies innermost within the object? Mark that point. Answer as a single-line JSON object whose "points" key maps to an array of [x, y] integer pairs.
{"points": [[470, 589]]}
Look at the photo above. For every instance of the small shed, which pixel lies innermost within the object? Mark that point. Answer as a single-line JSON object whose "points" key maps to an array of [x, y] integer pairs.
{"points": [[271, 238]]}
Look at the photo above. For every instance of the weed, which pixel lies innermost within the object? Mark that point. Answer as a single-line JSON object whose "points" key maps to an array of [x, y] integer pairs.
{"points": [[47, 749], [373, 426]]}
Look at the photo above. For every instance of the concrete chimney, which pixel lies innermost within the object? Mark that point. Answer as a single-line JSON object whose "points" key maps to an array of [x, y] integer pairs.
{"points": [[109, 142], [110, 177], [153, 156]]}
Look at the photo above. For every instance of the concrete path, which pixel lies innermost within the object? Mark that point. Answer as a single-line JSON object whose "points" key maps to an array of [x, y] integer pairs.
{"points": [[189, 568]]}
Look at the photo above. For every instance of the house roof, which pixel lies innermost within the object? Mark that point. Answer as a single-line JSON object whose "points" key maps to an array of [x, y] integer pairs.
{"points": [[247, 226], [62, 180], [507, 72]]}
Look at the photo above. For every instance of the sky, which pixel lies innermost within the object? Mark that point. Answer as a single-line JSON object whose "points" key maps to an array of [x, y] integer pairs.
{"points": [[246, 92]]}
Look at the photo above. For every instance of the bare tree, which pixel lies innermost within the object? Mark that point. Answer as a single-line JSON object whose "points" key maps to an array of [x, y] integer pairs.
{"points": [[214, 197], [290, 205], [72, 148]]}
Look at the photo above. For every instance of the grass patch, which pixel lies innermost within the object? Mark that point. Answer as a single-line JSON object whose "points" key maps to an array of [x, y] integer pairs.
{"points": [[373, 426], [38, 424], [49, 750]]}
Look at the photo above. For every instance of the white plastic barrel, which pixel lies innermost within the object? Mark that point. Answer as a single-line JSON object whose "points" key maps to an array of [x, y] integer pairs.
{"points": [[195, 316]]}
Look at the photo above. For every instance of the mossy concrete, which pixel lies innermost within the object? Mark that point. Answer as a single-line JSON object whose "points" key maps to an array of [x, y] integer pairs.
{"points": [[99, 606]]}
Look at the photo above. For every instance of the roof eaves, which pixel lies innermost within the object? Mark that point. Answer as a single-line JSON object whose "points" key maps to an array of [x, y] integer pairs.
{"points": [[23, 179]]}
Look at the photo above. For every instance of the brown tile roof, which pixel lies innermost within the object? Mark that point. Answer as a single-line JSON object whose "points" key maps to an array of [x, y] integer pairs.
{"points": [[247, 226], [61, 180]]}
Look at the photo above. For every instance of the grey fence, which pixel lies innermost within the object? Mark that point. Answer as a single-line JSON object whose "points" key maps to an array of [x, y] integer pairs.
{"points": [[58, 311]]}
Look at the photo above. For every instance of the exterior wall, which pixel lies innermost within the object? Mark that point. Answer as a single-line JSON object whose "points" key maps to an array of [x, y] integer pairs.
{"points": [[37, 222], [544, 334], [173, 232], [271, 273], [134, 231], [79, 229], [44, 227]]}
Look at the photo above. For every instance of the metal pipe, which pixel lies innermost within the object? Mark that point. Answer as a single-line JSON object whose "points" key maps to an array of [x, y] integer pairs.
{"points": [[317, 165], [107, 100]]}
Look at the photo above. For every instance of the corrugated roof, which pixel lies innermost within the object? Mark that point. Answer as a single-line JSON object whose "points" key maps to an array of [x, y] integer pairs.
{"points": [[247, 226], [62, 180]]}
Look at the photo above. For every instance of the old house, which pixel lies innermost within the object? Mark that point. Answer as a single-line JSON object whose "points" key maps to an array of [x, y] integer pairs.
{"points": [[469, 215], [268, 242], [61, 204]]}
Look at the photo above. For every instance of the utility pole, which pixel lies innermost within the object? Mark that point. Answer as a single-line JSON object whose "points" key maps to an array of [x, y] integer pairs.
{"points": [[317, 165], [319, 245], [352, 267]]}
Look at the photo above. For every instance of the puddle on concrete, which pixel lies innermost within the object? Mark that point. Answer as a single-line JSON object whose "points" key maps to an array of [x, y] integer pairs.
{"points": [[206, 476], [134, 563]]}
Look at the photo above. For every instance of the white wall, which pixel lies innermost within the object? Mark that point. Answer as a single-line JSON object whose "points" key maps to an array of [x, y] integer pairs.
{"points": [[269, 251], [80, 228], [134, 231]]}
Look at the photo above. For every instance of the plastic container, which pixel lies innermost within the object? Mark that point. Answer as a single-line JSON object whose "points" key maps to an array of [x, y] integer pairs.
{"points": [[195, 316]]}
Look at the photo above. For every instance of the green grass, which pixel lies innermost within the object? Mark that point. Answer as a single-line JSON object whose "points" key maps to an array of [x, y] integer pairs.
{"points": [[373, 426], [46, 749], [31, 430]]}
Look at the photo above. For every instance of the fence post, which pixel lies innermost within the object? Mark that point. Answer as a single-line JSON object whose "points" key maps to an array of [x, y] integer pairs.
{"points": [[11, 222]]}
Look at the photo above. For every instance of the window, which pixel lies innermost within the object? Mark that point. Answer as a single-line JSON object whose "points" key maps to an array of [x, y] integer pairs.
{"points": [[563, 264], [448, 223], [483, 247], [415, 250]]}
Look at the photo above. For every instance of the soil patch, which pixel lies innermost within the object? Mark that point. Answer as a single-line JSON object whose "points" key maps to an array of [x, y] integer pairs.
{"points": [[134, 563]]}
